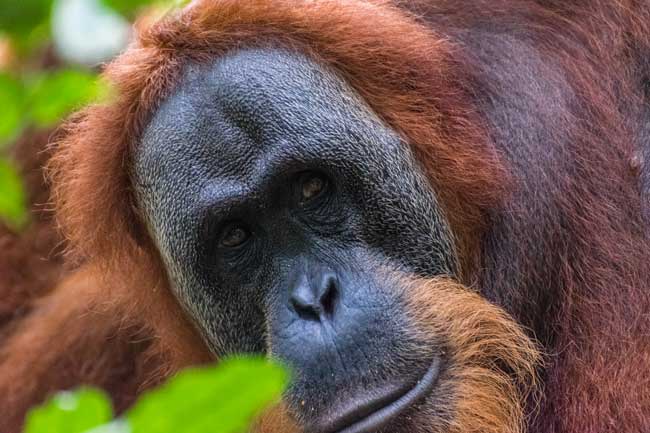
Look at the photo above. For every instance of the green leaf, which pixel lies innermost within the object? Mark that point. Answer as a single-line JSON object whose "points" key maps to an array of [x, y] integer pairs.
{"points": [[70, 412], [128, 8], [11, 101], [12, 196], [19, 18], [52, 96], [221, 399]]}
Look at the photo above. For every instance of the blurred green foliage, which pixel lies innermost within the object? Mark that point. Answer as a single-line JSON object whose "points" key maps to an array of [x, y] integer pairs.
{"points": [[12, 98], [221, 399], [71, 412], [51, 96], [37, 99], [34, 94], [127, 8], [19, 19], [43, 99], [12, 196], [130, 8]]}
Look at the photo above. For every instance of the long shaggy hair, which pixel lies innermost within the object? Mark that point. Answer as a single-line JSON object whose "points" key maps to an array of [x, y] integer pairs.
{"points": [[491, 379]]}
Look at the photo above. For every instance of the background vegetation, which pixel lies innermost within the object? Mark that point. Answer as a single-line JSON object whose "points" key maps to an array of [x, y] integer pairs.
{"points": [[50, 54], [222, 399]]}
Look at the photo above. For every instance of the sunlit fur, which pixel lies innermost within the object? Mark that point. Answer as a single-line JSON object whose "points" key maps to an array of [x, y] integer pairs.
{"points": [[491, 374]]}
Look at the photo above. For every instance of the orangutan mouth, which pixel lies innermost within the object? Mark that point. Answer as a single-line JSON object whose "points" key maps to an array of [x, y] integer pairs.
{"points": [[369, 414]]}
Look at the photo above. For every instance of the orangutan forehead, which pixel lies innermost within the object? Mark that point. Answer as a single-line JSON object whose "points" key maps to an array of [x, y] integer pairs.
{"points": [[260, 102]]}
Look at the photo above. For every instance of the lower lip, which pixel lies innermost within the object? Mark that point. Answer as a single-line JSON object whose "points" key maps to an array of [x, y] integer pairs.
{"points": [[379, 418]]}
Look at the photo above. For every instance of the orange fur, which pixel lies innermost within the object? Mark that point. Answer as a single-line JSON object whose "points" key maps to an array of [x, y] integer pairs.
{"points": [[30, 260], [492, 364], [275, 420], [123, 334]]}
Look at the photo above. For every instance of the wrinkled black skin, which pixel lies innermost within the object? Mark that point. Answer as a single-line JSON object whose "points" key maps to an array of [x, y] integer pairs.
{"points": [[308, 287]]}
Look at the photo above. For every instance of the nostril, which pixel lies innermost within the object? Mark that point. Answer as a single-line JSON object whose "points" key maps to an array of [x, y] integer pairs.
{"points": [[329, 295], [304, 304], [315, 298]]}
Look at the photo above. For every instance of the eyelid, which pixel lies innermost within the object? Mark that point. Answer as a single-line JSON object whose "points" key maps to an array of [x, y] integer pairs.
{"points": [[216, 220]]}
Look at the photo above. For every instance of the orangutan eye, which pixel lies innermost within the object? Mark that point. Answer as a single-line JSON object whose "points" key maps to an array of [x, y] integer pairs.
{"points": [[312, 185], [234, 236]]}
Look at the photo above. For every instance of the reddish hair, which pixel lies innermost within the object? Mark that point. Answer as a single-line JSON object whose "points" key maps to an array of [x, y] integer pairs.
{"points": [[410, 76]]}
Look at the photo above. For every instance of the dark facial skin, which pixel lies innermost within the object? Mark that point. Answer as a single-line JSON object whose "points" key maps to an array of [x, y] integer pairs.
{"points": [[278, 201]]}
